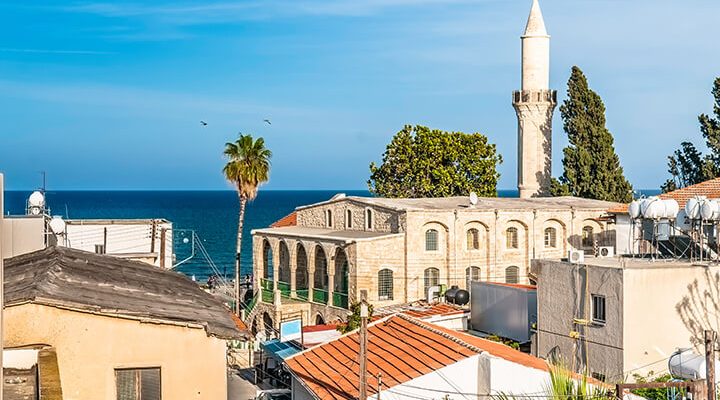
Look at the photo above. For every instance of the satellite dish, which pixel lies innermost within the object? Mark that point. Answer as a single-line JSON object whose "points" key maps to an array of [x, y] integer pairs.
{"points": [[473, 198], [37, 199], [57, 225]]}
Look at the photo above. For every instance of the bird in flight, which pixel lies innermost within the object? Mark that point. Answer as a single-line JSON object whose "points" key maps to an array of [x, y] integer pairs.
{"points": [[268, 121], [203, 123]]}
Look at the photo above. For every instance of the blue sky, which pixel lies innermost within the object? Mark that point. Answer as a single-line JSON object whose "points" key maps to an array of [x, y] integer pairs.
{"points": [[110, 95]]}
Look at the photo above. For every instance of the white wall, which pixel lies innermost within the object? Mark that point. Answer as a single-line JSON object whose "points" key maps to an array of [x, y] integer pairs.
{"points": [[22, 235]]}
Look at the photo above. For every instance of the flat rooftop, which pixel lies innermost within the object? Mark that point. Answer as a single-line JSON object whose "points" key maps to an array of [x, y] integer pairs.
{"points": [[483, 204], [321, 233], [620, 262]]}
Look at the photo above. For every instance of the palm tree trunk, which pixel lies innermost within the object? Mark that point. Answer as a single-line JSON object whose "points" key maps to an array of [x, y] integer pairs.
{"points": [[241, 220]]}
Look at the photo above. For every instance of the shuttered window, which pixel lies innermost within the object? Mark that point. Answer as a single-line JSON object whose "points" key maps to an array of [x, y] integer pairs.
{"points": [[138, 384]]}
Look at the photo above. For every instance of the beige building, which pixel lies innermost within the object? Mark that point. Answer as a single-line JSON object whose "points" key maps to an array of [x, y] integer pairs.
{"points": [[118, 326], [325, 255]]}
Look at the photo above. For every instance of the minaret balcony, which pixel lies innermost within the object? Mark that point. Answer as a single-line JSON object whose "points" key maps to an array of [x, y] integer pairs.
{"points": [[535, 96]]}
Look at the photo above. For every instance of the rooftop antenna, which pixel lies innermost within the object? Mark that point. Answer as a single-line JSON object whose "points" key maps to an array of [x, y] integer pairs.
{"points": [[43, 181]]}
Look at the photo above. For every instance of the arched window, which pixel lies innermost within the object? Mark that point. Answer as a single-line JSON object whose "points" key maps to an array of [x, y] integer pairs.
{"points": [[268, 267], [473, 239], [431, 240], [432, 278], [588, 240], [348, 219], [321, 275], [511, 238], [511, 274], [328, 219], [550, 237], [471, 274], [369, 219], [385, 284]]}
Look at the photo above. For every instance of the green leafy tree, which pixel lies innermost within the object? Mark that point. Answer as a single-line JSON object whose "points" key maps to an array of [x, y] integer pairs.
{"points": [[354, 318], [687, 165], [591, 166], [248, 166], [563, 385], [420, 162]]}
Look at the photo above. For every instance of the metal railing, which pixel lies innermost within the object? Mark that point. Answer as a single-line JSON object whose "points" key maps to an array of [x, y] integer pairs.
{"points": [[250, 305], [340, 300], [284, 289], [302, 294], [320, 296]]}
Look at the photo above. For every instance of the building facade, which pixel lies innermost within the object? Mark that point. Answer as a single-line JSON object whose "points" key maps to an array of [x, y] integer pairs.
{"points": [[534, 105], [623, 316], [393, 250]]}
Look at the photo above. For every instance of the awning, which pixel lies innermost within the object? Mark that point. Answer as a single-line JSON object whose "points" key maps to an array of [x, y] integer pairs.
{"points": [[280, 350]]}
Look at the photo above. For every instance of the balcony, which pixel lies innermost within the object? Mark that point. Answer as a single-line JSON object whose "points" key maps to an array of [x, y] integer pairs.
{"points": [[320, 296], [340, 300], [534, 96]]}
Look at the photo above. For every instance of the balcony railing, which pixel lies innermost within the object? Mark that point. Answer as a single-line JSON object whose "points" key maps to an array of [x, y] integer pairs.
{"points": [[302, 294], [284, 288], [340, 300], [534, 96], [320, 296], [250, 305], [267, 284]]}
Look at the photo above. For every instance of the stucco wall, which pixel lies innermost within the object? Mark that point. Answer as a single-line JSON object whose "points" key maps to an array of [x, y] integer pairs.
{"points": [[91, 347], [561, 295], [22, 235]]}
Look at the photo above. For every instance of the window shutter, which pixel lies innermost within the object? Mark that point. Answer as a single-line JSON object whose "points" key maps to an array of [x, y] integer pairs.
{"points": [[126, 384], [150, 384]]}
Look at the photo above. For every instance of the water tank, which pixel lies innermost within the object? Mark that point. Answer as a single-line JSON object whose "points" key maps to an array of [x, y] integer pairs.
{"points": [[634, 209], [457, 296], [652, 208], [710, 210], [693, 205], [672, 208], [686, 364]]}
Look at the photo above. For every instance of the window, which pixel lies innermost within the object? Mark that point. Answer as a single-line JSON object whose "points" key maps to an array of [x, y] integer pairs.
{"points": [[473, 239], [368, 219], [598, 376], [348, 219], [550, 238], [511, 274], [598, 309], [385, 284], [328, 218], [587, 237], [471, 274], [511, 238], [138, 384], [432, 278], [431, 240]]}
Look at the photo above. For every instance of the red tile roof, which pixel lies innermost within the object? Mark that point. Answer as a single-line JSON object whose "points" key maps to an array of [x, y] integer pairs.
{"points": [[710, 189], [402, 348], [288, 220], [421, 309]]}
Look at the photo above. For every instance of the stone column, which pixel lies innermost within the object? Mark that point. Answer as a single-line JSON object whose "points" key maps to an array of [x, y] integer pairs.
{"points": [[310, 253], [275, 246], [292, 253]]}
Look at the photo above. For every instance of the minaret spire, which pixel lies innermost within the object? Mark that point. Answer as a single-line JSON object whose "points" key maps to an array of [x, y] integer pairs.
{"points": [[534, 105]]}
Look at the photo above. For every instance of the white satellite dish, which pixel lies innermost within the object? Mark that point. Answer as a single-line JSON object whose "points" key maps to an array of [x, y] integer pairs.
{"points": [[57, 225], [473, 198], [37, 199]]}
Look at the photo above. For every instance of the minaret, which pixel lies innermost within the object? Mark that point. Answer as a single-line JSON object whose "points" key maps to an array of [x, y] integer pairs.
{"points": [[534, 106]]}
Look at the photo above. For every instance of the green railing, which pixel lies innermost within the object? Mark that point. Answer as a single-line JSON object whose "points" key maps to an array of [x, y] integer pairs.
{"points": [[302, 294], [284, 288], [340, 300], [267, 296], [267, 284], [320, 296], [250, 305]]}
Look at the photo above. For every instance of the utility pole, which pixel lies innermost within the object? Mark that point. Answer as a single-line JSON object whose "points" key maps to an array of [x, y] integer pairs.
{"points": [[379, 387], [710, 363], [363, 349]]}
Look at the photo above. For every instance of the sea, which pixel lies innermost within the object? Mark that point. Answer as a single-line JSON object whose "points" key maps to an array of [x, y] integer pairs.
{"points": [[211, 215]]}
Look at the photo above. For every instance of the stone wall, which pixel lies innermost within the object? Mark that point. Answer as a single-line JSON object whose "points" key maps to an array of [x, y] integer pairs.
{"points": [[383, 220]]}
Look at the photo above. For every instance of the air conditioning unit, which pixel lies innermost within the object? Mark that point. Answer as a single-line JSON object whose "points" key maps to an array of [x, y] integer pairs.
{"points": [[576, 256], [606, 252]]}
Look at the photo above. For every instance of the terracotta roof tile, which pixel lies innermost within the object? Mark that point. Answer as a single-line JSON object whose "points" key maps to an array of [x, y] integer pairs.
{"points": [[709, 188], [421, 309], [401, 347], [288, 220]]}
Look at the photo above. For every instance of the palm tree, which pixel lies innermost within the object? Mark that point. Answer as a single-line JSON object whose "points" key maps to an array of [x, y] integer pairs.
{"points": [[247, 168]]}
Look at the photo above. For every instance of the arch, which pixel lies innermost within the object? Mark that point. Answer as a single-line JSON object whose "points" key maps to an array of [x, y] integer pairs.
{"points": [[512, 274], [471, 274], [385, 284], [267, 260], [369, 219], [321, 275], [284, 267], [431, 278], [341, 272], [511, 238], [328, 218], [473, 239], [550, 237], [431, 240], [348, 219], [561, 237], [301, 269], [319, 319]]}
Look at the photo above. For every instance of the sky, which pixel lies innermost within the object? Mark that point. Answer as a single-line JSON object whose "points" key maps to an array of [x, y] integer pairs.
{"points": [[110, 95]]}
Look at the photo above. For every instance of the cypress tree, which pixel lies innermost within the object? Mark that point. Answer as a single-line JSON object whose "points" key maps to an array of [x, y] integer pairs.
{"points": [[591, 166]]}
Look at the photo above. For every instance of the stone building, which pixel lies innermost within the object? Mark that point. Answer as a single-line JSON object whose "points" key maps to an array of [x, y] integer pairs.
{"points": [[534, 105], [326, 255]]}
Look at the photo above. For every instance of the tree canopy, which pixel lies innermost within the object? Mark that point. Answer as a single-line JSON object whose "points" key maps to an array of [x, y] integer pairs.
{"points": [[248, 164], [687, 165], [591, 166], [424, 162]]}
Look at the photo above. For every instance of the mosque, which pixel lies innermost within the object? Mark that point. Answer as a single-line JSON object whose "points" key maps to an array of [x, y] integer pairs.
{"points": [[324, 256]]}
